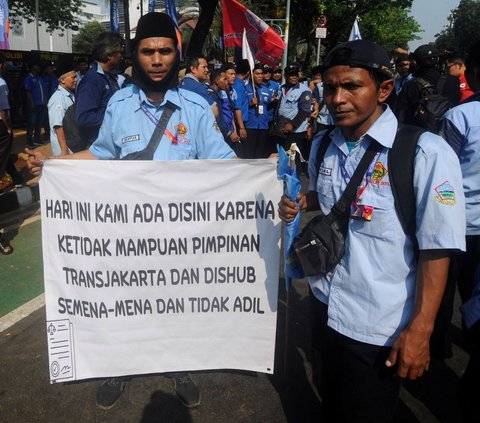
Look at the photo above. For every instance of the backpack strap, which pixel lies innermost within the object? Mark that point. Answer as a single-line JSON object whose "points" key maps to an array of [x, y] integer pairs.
{"points": [[401, 159], [441, 84], [322, 148]]}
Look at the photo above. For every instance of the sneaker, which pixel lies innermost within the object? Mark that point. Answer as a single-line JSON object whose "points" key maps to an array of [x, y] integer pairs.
{"points": [[187, 391], [110, 392]]}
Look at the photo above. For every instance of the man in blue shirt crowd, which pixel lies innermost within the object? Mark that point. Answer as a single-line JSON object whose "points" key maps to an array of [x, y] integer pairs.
{"points": [[98, 85], [274, 88], [461, 129], [241, 100], [257, 145], [374, 311], [35, 106], [130, 120], [58, 104]]}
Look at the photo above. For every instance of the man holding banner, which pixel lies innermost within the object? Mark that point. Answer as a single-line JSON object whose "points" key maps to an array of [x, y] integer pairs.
{"points": [[153, 119]]}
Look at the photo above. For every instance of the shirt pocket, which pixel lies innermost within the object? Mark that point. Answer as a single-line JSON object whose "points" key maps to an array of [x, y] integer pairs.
{"points": [[325, 192], [132, 147], [180, 151], [382, 224]]}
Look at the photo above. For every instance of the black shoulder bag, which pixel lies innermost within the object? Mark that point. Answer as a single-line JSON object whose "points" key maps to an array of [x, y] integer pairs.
{"points": [[321, 244], [149, 151]]}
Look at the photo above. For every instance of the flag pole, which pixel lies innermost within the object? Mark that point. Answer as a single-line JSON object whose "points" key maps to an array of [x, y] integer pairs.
{"points": [[287, 29]]}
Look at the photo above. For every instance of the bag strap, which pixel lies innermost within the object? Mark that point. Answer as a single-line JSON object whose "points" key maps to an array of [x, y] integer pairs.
{"points": [[343, 204], [159, 130], [440, 84], [401, 159], [322, 148]]}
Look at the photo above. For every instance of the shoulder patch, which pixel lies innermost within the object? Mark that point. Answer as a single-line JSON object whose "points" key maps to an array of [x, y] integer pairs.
{"points": [[445, 194]]}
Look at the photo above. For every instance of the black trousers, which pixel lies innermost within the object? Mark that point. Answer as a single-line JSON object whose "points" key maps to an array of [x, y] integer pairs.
{"points": [[353, 381], [257, 144]]}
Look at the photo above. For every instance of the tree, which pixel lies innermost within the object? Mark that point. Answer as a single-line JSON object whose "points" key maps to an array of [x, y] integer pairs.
{"points": [[83, 41], [56, 14], [462, 31], [205, 19]]}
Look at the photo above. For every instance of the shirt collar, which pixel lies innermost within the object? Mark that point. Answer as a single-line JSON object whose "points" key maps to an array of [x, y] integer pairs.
{"points": [[383, 130], [65, 91], [171, 95]]}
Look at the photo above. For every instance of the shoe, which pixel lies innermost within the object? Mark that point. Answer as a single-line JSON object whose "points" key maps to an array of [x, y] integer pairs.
{"points": [[38, 143], [110, 392], [187, 391], [5, 247]]}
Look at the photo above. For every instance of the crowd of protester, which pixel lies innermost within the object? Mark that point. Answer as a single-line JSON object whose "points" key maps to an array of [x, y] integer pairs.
{"points": [[255, 110]]}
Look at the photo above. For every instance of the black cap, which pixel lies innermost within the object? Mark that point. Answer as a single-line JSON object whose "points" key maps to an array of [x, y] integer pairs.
{"points": [[426, 51], [243, 66], [291, 70], [155, 24], [267, 69], [64, 68], [277, 70], [359, 54], [402, 58], [258, 66]]}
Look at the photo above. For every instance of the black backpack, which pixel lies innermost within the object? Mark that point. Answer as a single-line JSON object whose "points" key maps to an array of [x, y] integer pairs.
{"points": [[70, 128], [432, 104], [401, 168]]}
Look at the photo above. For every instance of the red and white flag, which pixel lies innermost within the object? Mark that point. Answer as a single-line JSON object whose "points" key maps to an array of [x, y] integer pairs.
{"points": [[266, 44]]}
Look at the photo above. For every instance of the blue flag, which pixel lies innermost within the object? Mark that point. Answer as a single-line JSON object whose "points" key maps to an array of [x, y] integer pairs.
{"points": [[355, 31], [292, 186], [114, 16], [171, 11], [3, 20]]}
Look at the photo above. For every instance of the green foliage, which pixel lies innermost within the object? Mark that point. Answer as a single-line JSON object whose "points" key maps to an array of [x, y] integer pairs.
{"points": [[85, 39], [463, 29], [56, 14]]}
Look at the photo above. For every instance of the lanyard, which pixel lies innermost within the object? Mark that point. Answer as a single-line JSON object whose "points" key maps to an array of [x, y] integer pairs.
{"points": [[149, 114], [173, 138], [346, 176]]}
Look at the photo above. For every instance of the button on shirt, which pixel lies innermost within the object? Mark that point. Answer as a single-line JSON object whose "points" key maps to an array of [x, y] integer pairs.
{"points": [[241, 97], [370, 294], [191, 131], [58, 104], [255, 119]]}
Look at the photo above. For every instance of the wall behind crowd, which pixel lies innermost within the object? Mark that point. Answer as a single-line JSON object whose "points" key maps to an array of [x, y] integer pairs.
{"points": [[18, 63]]}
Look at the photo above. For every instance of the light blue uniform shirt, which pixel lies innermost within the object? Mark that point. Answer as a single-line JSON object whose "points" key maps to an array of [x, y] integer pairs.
{"points": [[461, 129], [191, 131], [370, 293], [58, 104], [292, 101]]}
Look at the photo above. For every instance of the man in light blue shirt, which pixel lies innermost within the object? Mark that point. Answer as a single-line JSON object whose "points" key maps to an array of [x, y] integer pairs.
{"points": [[58, 104], [375, 310], [461, 129], [129, 122]]}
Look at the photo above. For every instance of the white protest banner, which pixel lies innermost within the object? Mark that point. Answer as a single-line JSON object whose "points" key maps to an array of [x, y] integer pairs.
{"points": [[160, 266]]}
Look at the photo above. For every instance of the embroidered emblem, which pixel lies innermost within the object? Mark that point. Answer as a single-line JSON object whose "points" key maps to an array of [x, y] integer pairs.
{"points": [[130, 138], [325, 171], [307, 97], [181, 129], [215, 125], [379, 172], [445, 194]]}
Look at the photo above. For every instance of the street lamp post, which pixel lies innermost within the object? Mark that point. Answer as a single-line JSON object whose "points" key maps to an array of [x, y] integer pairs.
{"points": [[287, 28], [37, 24]]}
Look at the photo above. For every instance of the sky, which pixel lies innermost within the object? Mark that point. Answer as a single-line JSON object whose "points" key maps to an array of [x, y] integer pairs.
{"points": [[432, 16]]}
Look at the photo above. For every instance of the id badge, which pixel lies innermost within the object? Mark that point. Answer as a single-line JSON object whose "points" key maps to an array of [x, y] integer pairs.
{"points": [[361, 212], [260, 109]]}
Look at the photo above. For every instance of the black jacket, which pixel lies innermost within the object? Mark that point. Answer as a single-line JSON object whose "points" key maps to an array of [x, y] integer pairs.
{"points": [[410, 96]]}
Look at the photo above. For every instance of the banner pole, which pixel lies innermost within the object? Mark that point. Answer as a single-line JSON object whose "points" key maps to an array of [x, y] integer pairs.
{"points": [[287, 30]]}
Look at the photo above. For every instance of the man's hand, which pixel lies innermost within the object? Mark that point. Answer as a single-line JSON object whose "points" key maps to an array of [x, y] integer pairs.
{"points": [[243, 134], [35, 161], [411, 353], [288, 209], [287, 128], [234, 137]]}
